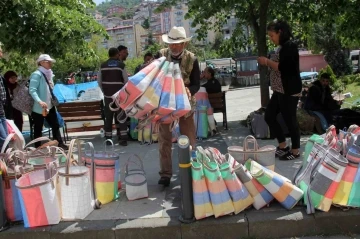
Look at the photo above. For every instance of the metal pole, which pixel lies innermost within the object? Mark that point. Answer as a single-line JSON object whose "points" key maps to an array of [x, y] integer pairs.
{"points": [[3, 221], [187, 203]]}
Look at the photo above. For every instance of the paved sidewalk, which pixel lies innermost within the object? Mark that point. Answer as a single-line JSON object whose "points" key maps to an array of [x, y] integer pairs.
{"points": [[157, 216]]}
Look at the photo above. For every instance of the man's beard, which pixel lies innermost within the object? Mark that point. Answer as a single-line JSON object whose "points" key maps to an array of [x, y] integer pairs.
{"points": [[177, 54]]}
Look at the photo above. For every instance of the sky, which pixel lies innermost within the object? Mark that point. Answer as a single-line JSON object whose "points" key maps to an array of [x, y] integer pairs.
{"points": [[98, 1]]}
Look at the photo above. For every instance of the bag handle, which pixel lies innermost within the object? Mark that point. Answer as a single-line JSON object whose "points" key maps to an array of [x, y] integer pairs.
{"points": [[250, 139], [7, 141], [40, 139], [141, 166], [105, 146], [96, 203]]}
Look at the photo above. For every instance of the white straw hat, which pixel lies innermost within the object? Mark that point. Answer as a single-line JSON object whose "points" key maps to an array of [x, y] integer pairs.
{"points": [[176, 35]]}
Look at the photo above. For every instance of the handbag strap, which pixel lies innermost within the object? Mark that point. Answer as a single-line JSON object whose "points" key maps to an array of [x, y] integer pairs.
{"points": [[250, 139], [141, 166], [97, 203], [50, 89]]}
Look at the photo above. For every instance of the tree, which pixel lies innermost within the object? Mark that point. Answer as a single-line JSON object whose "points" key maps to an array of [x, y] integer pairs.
{"points": [[34, 26], [327, 41], [256, 14]]}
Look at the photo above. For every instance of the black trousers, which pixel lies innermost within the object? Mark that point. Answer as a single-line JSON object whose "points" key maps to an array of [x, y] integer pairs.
{"points": [[51, 118], [287, 106], [109, 117]]}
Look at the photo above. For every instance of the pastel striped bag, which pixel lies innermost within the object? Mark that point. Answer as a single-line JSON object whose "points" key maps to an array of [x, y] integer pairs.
{"points": [[107, 172], [202, 203], [148, 134], [151, 97], [202, 99], [219, 195], [201, 122], [315, 157], [287, 194], [264, 155], [38, 198], [238, 193], [324, 181], [261, 196], [308, 148], [136, 85], [181, 98], [167, 98], [348, 192], [11, 196]]}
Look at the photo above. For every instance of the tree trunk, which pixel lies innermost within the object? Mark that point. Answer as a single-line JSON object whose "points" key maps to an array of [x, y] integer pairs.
{"points": [[262, 51]]}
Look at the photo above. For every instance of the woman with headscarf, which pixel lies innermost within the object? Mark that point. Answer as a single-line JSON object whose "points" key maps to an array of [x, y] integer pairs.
{"points": [[11, 112], [40, 88]]}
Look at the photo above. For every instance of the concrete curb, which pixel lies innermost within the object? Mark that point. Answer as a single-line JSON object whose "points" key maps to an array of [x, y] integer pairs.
{"points": [[267, 223]]}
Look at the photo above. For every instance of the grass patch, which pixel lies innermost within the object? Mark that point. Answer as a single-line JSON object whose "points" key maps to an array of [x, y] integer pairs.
{"points": [[354, 89]]}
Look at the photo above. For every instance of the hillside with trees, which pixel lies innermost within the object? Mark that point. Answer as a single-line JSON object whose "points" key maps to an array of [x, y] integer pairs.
{"points": [[129, 4]]}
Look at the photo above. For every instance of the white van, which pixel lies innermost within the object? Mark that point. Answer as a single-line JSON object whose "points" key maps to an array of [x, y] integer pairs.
{"points": [[354, 58]]}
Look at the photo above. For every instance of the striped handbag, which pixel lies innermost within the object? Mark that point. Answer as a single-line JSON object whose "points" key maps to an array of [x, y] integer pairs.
{"points": [[201, 122], [348, 192], [219, 195], [136, 85], [261, 196], [350, 182], [202, 203], [181, 98], [11, 196], [38, 198], [308, 148], [323, 179], [238, 192], [167, 102], [107, 172], [151, 97], [287, 194]]}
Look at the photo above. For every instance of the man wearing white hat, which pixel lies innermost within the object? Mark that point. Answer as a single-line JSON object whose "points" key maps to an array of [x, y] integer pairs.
{"points": [[189, 65]]}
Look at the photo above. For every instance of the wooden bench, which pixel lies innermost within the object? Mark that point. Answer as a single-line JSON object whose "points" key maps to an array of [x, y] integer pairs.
{"points": [[218, 103], [81, 111]]}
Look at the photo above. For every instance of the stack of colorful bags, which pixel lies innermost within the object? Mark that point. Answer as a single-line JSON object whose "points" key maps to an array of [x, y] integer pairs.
{"points": [[223, 185], [40, 189], [330, 173], [156, 94]]}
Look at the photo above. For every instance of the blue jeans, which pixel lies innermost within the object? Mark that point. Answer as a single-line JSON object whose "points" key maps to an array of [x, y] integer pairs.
{"points": [[3, 131]]}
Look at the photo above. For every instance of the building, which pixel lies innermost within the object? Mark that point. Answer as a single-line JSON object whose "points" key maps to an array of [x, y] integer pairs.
{"points": [[110, 22], [129, 36], [113, 10]]}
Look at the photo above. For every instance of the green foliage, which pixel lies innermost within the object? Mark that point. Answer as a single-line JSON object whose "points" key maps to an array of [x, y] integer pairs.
{"points": [[72, 62], [325, 39], [153, 48], [132, 63], [146, 24], [34, 26], [336, 84]]}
